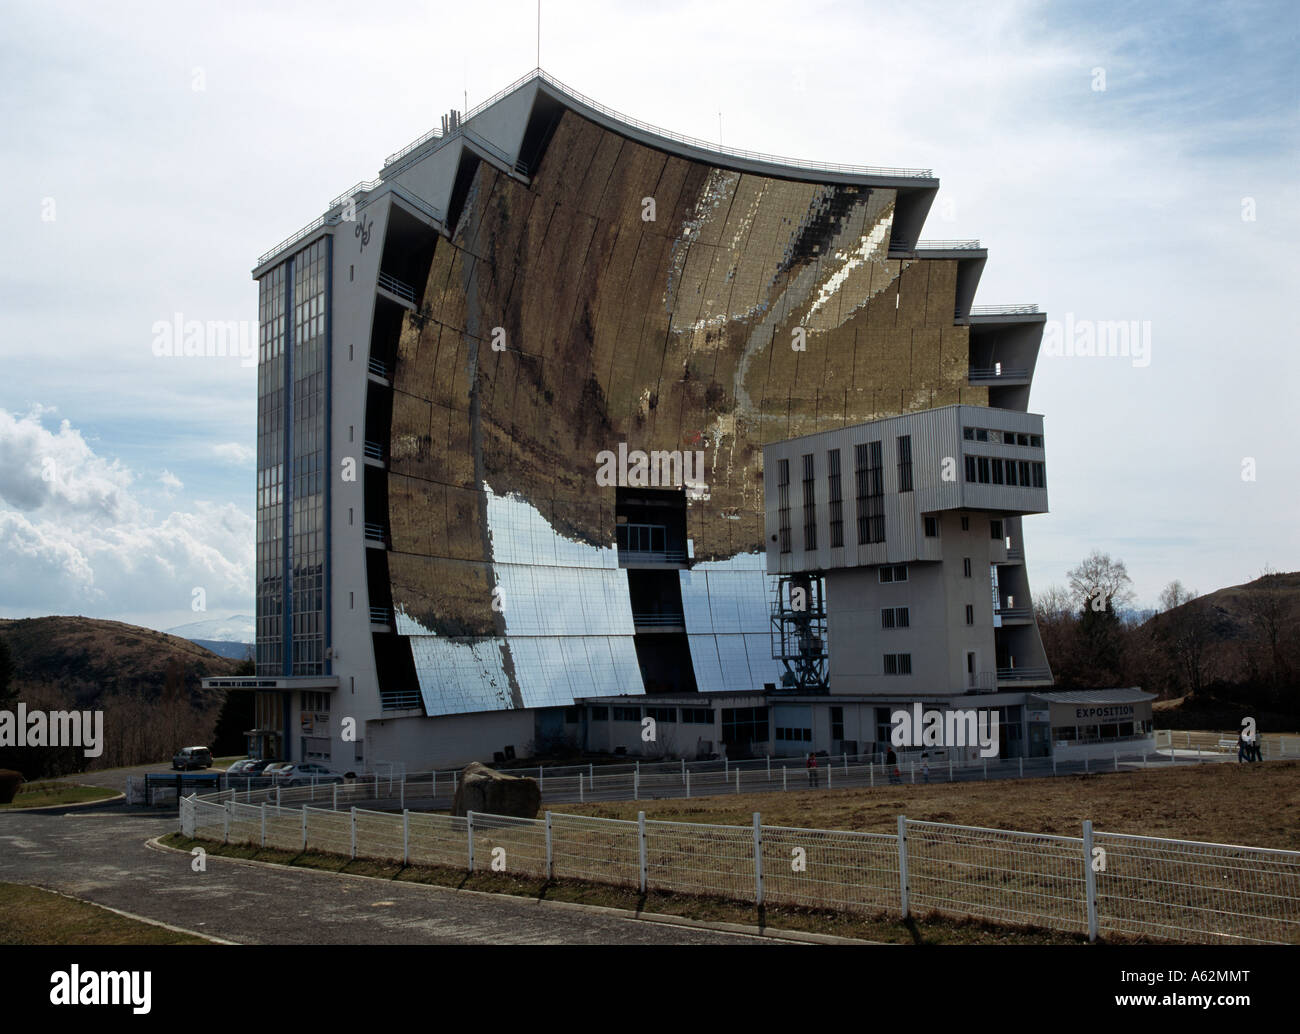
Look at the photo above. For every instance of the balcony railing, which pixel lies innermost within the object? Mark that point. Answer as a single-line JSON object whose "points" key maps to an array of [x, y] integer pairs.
{"points": [[376, 532], [1015, 554], [400, 699], [1014, 612], [947, 245], [379, 368], [374, 451], [394, 286], [1023, 674], [381, 615], [651, 556], [1019, 309], [981, 681], [984, 374], [652, 618]]}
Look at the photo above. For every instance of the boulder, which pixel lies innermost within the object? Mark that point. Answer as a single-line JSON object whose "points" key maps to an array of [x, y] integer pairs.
{"points": [[483, 789]]}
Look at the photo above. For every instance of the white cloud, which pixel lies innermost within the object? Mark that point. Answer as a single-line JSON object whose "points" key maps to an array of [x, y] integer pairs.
{"points": [[234, 453], [170, 482], [83, 543]]}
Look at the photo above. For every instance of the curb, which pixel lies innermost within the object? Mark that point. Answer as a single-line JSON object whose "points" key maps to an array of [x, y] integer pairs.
{"points": [[793, 936], [131, 915], [64, 807]]}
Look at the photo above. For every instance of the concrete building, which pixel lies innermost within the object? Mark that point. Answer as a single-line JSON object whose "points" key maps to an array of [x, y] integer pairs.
{"points": [[448, 560]]}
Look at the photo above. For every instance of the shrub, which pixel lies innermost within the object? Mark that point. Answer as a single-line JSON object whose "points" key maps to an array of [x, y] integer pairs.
{"points": [[9, 783]]}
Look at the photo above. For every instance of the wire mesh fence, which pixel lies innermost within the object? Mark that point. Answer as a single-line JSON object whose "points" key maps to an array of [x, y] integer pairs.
{"points": [[1102, 883]]}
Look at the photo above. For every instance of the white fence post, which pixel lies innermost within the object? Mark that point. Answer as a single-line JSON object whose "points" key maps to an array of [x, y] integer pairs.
{"points": [[304, 829], [1090, 879], [550, 854], [336, 797], [871, 772], [769, 767], [591, 773], [354, 832], [1116, 761], [1053, 763], [758, 860], [783, 775], [406, 836], [949, 769], [582, 796], [277, 795], [688, 783], [986, 768], [401, 790], [684, 776], [226, 824], [264, 823], [830, 773], [636, 782], [902, 866], [737, 779], [726, 767], [914, 771], [640, 826], [541, 780], [469, 832], [1085, 764], [1021, 759]]}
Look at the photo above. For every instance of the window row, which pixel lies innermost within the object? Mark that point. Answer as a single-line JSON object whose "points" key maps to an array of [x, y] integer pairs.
{"points": [[984, 434], [997, 470]]}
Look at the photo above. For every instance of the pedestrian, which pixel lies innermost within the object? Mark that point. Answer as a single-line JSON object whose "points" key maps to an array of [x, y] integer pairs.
{"points": [[925, 767], [891, 763], [1255, 753], [1243, 747], [812, 769]]}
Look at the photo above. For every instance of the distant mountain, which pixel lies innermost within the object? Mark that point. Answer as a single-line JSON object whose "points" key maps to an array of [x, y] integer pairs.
{"points": [[238, 628], [236, 651], [83, 658]]}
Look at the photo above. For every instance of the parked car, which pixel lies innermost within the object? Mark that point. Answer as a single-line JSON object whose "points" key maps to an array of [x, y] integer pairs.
{"points": [[250, 766], [305, 773], [275, 769], [192, 757]]}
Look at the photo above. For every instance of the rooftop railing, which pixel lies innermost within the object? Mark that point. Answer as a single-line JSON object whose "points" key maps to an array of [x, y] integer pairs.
{"points": [[1020, 309], [690, 141]]}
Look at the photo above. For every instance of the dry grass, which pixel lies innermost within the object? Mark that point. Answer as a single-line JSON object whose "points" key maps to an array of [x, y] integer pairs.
{"points": [[930, 929], [29, 915], [1256, 805]]}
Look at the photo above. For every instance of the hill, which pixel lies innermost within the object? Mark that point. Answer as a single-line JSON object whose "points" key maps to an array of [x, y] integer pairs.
{"points": [[84, 659]]}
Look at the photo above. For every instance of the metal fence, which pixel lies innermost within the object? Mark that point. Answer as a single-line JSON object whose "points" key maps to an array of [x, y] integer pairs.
{"points": [[1100, 883]]}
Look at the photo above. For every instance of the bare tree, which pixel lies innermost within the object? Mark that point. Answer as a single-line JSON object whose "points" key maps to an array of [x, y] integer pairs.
{"points": [[1184, 629], [1100, 583], [1265, 608]]}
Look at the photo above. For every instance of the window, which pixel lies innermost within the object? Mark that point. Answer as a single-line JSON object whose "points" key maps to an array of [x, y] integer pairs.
{"points": [[970, 614], [835, 497], [1036, 441], [981, 435], [905, 463], [931, 527], [783, 502], [1011, 472], [1024, 473], [898, 664], [965, 523], [312, 701], [970, 469], [697, 715], [627, 714], [1022, 439], [968, 433], [809, 504], [901, 617], [998, 479], [600, 714], [983, 462], [664, 715], [837, 723], [893, 573], [871, 491], [1040, 481], [744, 725], [887, 617], [995, 529], [799, 735], [965, 566]]}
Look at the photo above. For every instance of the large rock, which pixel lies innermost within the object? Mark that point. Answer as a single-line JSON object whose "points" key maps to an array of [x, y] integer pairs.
{"points": [[487, 790]]}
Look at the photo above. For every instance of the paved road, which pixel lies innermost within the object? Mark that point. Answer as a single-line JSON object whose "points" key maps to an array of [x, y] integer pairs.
{"points": [[100, 855]]}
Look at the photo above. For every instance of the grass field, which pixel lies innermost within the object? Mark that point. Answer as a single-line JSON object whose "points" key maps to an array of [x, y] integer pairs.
{"points": [[43, 795], [1255, 805], [930, 929], [29, 915]]}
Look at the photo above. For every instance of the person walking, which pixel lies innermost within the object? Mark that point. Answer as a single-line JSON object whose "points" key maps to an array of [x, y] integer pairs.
{"points": [[925, 767], [891, 763], [1242, 747], [812, 769]]}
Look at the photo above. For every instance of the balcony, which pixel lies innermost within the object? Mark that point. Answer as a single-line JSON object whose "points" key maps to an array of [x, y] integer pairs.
{"points": [[1013, 675], [661, 620], [376, 535], [400, 699], [981, 681], [380, 369], [1015, 615], [998, 374], [401, 292], [374, 451], [646, 544], [1015, 555], [381, 616]]}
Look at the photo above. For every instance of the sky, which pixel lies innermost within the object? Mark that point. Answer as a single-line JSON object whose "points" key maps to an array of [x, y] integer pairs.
{"points": [[1121, 162]]}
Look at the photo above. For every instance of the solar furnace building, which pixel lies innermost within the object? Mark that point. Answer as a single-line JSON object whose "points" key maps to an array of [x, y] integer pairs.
{"points": [[512, 402]]}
